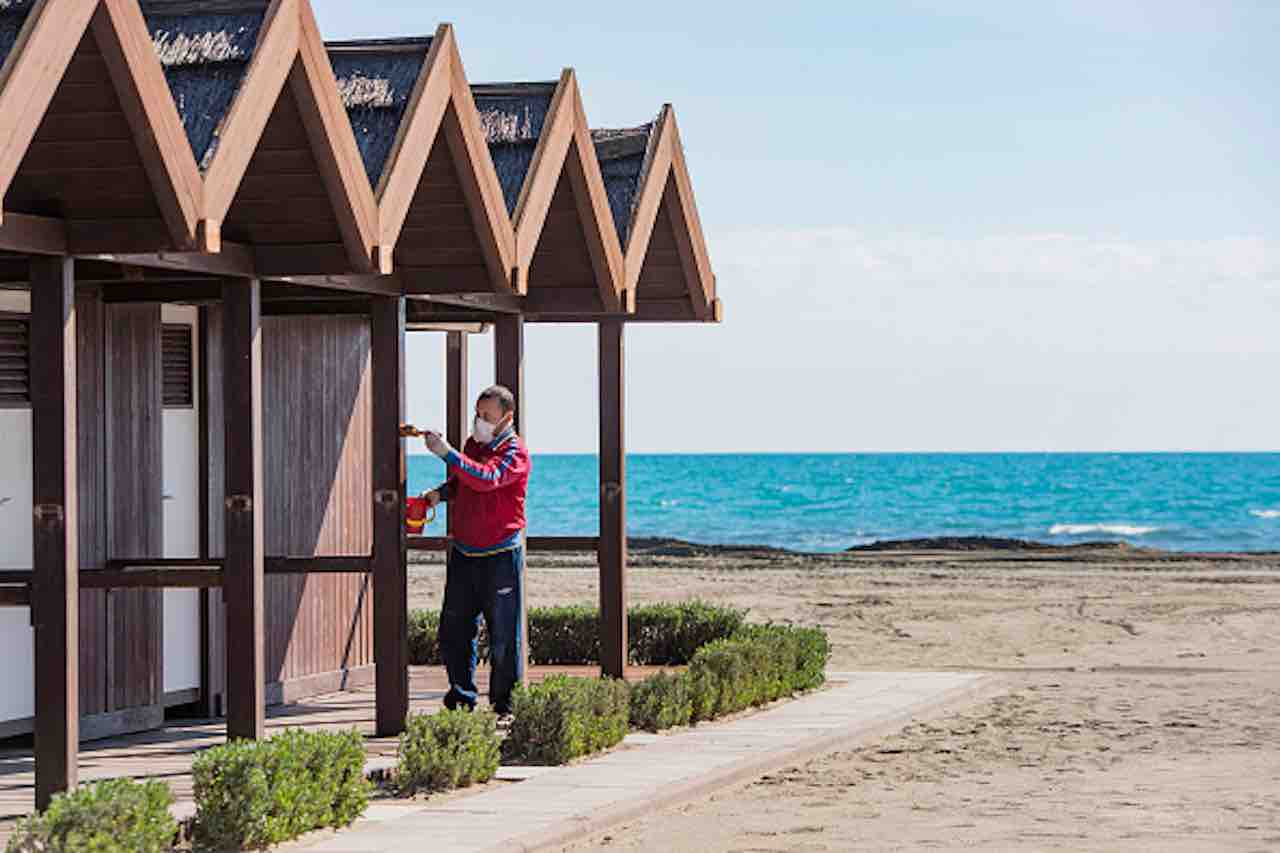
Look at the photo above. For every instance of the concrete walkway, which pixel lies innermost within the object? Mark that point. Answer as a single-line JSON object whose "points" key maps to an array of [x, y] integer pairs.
{"points": [[551, 806]]}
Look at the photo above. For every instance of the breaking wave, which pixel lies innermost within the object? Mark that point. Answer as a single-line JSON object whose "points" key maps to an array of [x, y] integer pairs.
{"points": [[1113, 529], [1265, 513]]}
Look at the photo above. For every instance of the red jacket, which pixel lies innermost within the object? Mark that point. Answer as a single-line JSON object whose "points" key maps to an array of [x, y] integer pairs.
{"points": [[486, 493]]}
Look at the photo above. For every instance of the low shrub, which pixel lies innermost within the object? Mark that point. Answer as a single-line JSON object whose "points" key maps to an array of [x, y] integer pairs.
{"points": [[670, 634], [759, 664], [564, 718], [252, 794], [116, 816], [450, 749], [660, 634], [564, 635], [661, 702]]}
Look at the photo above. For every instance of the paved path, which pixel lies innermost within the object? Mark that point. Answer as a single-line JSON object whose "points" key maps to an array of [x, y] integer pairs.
{"points": [[552, 806]]}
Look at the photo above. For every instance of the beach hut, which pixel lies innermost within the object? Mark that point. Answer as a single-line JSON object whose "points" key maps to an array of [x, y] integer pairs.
{"points": [[216, 232]]}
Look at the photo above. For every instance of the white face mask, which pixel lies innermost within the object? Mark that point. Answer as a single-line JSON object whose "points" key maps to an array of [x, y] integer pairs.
{"points": [[483, 431]]}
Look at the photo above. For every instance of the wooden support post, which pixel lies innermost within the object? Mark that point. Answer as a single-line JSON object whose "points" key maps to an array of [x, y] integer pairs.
{"points": [[243, 566], [613, 500], [457, 406], [508, 343], [390, 571], [55, 588]]}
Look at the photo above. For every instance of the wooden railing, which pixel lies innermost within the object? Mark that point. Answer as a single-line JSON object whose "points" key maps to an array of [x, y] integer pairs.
{"points": [[197, 573]]}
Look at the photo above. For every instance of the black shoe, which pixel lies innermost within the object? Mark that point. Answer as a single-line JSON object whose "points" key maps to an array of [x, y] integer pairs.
{"points": [[452, 702]]}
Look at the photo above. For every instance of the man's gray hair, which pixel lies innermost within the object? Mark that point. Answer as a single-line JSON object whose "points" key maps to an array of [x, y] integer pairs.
{"points": [[503, 395]]}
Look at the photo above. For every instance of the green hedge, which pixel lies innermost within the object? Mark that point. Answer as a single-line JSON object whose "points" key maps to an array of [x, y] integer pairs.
{"points": [[660, 634], [450, 749], [670, 634], [759, 664], [116, 816], [661, 702], [252, 794], [564, 718]]}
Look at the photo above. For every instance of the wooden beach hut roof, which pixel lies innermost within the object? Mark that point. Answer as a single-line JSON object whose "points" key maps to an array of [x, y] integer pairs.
{"points": [[439, 200], [567, 249], [651, 197], [91, 157]]}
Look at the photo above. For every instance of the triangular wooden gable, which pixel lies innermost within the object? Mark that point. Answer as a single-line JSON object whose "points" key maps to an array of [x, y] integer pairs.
{"points": [[439, 200], [78, 90], [667, 266], [282, 171], [567, 250]]}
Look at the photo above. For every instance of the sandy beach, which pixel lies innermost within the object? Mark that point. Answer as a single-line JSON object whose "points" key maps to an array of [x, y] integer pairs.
{"points": [[1140, 706]]}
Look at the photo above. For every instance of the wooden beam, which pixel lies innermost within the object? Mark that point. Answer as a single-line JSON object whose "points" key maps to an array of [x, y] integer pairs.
{"points": [[461, 328], [480, 186], [287, 257], [243, 574], [55, 587], [247, 118], [206, 578], [498, 303], [544, 172], [390, 569], [318, 565], [15, 596], [149, 108], [316, 307], [542, 544], [592, 200], [333, 144], [613, 500], [508, 344], [33, 235], [188, 291], [204, 478], [457, 401], [653, 182], [232, 259], [417, 134]]}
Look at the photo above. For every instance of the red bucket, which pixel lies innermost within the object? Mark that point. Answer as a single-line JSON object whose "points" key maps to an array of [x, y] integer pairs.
{"points": [[418, 514]]}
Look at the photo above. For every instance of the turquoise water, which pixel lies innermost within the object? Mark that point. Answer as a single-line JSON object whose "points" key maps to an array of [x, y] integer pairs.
{"points": [[1187, 502]]}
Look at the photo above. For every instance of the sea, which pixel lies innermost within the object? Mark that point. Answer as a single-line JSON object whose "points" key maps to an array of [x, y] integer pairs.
{"points": [[828, 503]]}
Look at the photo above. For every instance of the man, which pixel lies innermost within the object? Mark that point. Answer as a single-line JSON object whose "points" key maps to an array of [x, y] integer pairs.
{"points": [[486, 493]]}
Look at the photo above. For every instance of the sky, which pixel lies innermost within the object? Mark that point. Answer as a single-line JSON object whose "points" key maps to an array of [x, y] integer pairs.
{"points": [[936, 226]]}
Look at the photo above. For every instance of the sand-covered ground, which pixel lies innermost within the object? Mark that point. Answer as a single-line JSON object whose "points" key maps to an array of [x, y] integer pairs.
{"points": [[1140, 708]]}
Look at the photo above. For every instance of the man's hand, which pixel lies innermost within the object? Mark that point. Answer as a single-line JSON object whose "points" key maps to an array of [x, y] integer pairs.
{"points": [[436, 443], [432, 498]]}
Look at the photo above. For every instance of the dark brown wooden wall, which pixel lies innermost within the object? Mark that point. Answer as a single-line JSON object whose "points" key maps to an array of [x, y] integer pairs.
{"points": [[120, 462], [135, 498], [316, 441], [92, 475], [316, 435]]}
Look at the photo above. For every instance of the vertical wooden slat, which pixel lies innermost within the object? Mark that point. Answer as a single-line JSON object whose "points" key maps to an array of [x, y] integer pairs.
{"points": [[508, 342], [91, 474], [458, 407], [207, 702], [243, 567], [613, 500], [390, 575], [212, 382], [55, 593]]}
